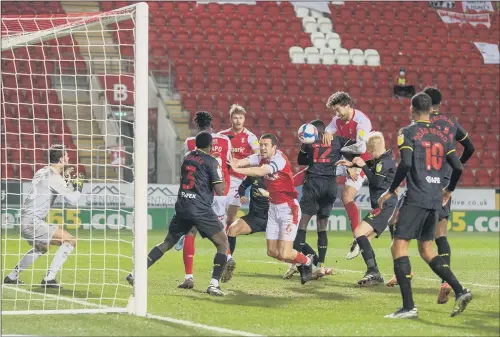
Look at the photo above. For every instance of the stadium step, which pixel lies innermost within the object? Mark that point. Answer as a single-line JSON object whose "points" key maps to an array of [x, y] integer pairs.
{"points": [[180, 118]]}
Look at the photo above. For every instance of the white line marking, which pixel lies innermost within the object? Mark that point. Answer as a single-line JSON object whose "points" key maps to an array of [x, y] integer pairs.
{"points": [[357, 271], [105, 309], [56, 297], [201, 326]]}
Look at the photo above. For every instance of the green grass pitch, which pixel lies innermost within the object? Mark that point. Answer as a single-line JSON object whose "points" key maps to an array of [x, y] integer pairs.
{"points": [[257, 299]]}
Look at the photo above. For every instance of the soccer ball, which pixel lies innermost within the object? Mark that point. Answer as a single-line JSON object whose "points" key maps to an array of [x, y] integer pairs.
{"points": [[307, 134]]}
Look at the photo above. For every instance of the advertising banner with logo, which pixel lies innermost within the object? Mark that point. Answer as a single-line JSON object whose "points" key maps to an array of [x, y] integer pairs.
{"points": [[119, 89], [461, 18], [159, 218]]}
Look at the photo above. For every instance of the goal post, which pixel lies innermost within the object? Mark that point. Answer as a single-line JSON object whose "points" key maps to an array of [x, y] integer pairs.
{"points": [[80, 80]]}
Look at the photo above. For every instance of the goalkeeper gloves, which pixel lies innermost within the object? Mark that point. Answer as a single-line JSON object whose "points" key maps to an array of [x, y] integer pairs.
{"points": [[78, 182]]}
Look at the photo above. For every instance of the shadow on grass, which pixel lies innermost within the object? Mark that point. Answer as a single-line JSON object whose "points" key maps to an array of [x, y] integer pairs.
{"points": [[473, 325], [75, 294]]}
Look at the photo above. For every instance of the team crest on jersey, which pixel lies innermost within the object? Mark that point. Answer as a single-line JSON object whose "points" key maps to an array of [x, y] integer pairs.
{"points": [[401, 139], [362, 133], [378, 168], [256, 142]]}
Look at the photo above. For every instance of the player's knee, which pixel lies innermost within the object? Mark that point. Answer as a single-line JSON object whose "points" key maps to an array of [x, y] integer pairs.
{"points": [[322, 224], [273, 252], [192, 232], [426, 251], [348, 195], [41, 248], [441, 228]]}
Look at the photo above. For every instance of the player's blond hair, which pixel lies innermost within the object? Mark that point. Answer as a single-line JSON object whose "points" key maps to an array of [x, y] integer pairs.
{"points": [[375, 138], [236, 109]]}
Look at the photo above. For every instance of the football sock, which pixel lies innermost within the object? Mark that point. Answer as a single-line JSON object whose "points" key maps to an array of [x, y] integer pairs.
{"points": [[59, 258], [367, 253], [188, 254], [154, 255], [26, 261], [402, 269], [444, 250], [219, 263], [322, 246], [302, 259], [300, 240], [353, 214], [232, 243], [442, 269]]}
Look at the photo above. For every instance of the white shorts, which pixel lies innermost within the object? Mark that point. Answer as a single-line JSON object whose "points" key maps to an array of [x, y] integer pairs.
{"points": [[283, 221], [36, 231], [233, 195], [219, 206], [342, 172]]}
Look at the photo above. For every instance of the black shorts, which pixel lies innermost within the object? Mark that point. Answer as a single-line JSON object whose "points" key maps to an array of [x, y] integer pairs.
{"points": [[256, 224], [318, 195], [415, 222], [444, 212], [379, 218], [208, 225]]}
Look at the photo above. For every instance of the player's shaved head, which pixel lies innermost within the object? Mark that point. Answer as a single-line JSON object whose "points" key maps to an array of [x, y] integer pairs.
{"points": [[435, 95], [421, 103], [203, 140], [203, 120], [56, 152], [319, 125]]}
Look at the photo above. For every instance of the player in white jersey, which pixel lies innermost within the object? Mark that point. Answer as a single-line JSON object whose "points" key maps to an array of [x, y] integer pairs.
{"points": [[46, 185]]}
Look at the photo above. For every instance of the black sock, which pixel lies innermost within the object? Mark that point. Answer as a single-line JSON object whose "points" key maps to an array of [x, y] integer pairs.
{"points": [[444, 250], [154, 255], [442, 269], [367, 252], [300, 240], [391, 229], [232, 243], [219, 263], [402, 269], [322, 246]]}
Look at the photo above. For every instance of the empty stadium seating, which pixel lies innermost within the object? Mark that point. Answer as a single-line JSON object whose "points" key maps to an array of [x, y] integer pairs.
{"points": [[31, 112], [257, 56]]}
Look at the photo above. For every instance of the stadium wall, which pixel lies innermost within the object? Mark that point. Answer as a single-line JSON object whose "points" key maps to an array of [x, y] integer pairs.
{"points": [[107, 207]]}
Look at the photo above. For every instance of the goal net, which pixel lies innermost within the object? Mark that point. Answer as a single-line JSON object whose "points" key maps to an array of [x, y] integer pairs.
{"points": [[80, 80]]}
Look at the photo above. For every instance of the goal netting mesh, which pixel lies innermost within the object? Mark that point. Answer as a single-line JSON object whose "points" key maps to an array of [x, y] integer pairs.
{"points": [[71, 79]]}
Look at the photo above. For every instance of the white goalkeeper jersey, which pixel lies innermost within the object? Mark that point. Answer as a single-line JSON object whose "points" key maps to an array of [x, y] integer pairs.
{"points": [[46, 186]]}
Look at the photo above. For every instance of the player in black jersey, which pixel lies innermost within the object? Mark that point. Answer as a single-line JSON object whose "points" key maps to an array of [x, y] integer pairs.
{"points": [[424, 148], [451, 126], [318, 195], [253, 222], [380, 172], [200, 177]]}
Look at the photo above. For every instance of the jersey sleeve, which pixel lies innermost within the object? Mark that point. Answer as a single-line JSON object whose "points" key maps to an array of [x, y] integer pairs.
{"points": [[229, 148], [405, 140], [450, 148], [244, 185], [253, 142], [332, 127], [461, 133], [254, 159], [277, 163], [58, 185], [215, 172]]}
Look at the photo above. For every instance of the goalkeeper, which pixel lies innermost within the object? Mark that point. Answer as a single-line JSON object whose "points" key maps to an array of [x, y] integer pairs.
{"points": [[47, 183]]}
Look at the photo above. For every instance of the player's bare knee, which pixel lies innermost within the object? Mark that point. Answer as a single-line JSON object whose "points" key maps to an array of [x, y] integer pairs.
{"points": [[348, 195], [425, 248]]}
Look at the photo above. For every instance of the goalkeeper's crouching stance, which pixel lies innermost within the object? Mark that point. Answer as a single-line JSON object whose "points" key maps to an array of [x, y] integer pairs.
{"points": [[47, 183]]}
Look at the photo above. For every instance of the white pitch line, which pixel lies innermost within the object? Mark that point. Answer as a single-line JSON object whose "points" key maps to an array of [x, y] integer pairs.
{"points": [[417, 277], [201, 326], [56, 297]]}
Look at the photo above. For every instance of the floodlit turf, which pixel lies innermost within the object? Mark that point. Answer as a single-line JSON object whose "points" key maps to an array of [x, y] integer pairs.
{"points": [[259, 301]]}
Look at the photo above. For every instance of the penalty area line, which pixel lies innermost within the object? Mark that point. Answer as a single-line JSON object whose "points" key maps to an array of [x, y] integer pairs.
{"points": [[201, 326]]}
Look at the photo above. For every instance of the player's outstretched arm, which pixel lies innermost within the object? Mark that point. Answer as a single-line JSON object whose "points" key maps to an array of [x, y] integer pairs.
{"points": [[245, 184], [302, 157], [258, 171]]}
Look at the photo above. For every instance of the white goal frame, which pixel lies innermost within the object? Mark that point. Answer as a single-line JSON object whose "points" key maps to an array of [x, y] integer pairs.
{"points": [[138, 300]]}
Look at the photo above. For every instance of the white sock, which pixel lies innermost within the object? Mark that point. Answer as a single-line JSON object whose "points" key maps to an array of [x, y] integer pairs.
{"points": [[309, 261], [229, 257], [26, 261], [214, 282], [188, 276], [59, 259]]}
